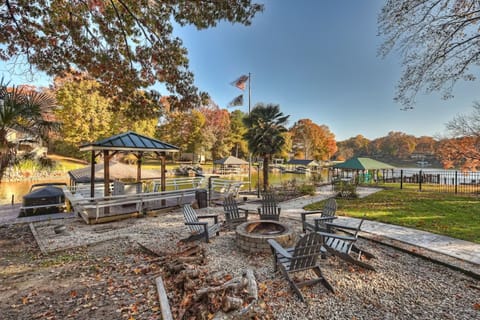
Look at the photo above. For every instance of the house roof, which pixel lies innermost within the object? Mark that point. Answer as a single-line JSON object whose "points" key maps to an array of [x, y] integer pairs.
{"points": [[363, 164], [303, 162], [231, 160], [130, 141]]}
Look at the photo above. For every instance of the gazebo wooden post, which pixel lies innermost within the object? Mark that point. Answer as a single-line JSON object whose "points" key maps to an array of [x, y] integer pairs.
{"points": [[92, 175], [163, 180], [106, 171], [139, 166], [163, 169]]}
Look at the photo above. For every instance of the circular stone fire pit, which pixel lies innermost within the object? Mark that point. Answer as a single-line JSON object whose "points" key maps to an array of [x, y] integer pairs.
{"points": [[252, 236]]}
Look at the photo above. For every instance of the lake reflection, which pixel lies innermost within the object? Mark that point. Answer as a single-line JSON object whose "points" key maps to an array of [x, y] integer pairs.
{"points": [[19, 189]]}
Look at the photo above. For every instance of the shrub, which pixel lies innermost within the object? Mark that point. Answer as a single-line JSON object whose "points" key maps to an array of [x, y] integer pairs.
{"points": [[345, 189], [316, 178], [47, 163], [305, 189]]}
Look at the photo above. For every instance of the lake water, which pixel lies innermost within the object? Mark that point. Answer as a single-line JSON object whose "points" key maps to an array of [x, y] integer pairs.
{"points": [[18, 189]]}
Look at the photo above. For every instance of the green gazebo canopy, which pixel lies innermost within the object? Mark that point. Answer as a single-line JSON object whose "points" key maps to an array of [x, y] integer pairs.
{"points": [[363, 164]]}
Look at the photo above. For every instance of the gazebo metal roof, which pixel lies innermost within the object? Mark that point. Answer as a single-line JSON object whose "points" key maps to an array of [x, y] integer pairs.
{"points": [[131, 142], [125, 142], [230, 160], [363, 164]]}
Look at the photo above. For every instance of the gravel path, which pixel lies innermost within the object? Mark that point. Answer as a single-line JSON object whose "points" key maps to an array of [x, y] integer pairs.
{"points": [[403, 287]]}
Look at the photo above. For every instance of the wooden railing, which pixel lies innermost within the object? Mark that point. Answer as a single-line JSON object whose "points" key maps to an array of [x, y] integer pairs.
{"points": [[220, 188], [100, 207]]}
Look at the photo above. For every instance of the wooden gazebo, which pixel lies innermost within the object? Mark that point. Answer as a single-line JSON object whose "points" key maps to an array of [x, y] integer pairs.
{"points": [[129, 142], [359, 164], [230, 165]]}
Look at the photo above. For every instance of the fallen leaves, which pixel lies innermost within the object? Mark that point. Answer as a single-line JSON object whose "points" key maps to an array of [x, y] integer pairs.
{"points": [[116, 281]]}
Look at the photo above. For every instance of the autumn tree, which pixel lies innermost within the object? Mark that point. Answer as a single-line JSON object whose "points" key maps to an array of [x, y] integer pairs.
{"points": [[217, 129], [438, 41], [302, 134], [426, 145], [463, 152], [126, 118], [286, 150], [396, 145], [184, 129], [353, 147], [237, 128], [83, 112], [312, 141], [265, 134], [124, 44], [463, 148]]}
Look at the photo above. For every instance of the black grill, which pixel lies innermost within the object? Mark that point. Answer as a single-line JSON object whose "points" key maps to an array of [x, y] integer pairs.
{"points": [[43, 197]]}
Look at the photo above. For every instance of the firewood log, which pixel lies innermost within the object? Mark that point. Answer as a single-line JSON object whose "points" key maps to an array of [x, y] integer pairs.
{"points": [[231, 303], [252, 288]]}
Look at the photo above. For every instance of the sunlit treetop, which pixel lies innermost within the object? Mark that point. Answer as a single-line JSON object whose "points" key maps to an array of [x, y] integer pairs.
{"points": [[123, 44]]}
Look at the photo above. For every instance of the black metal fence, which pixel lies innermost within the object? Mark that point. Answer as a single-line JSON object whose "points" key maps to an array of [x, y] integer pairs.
{"points": [[434, 180]]}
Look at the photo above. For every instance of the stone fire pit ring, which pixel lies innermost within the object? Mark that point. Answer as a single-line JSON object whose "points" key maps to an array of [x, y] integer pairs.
{"points": [[252, 236]]}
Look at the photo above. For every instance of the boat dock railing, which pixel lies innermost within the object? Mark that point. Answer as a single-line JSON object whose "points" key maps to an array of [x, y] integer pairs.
{"points": [[99, 209]]}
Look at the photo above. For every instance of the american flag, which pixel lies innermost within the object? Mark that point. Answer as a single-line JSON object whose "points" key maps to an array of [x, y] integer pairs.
{"points": [[238, 101], [241, 82]]}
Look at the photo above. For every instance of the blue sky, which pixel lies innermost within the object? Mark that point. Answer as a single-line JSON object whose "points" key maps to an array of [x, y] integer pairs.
{"points": [[317, 60]]}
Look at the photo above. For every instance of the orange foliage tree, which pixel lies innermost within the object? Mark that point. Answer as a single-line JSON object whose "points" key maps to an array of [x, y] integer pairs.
{"points": [[312, 141], [463, 152], [463, 149]]}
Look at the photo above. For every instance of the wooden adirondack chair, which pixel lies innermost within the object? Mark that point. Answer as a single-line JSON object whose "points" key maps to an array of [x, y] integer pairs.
{"points": [[326, 215], [341, 242], [233, 214], [269, 209], [197, 228], [302, 257]]}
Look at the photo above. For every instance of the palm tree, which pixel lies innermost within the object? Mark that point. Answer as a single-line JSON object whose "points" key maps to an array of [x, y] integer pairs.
{"points": [[265, 134], [22, 110]]}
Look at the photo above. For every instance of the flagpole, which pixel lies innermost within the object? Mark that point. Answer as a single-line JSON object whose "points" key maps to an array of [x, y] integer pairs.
{"points": [[249, 154]]}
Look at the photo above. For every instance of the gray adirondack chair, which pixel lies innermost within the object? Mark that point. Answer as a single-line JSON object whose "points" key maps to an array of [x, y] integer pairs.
{"points": [[234, 215], [269, 210], [318, 223], [341, 242], [198, 228], [302, 257]]}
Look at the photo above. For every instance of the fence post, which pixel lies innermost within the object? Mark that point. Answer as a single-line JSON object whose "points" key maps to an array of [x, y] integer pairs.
{"points": [[401, 179], [456, 182], [420, 179]]}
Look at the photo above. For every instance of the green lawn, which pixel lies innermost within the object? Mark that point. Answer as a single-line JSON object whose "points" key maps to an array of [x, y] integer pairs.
{"points": [[448, 214]]}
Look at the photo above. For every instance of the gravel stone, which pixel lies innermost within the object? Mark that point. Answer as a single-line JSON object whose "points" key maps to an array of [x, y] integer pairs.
{"points": [[404, 286]]}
